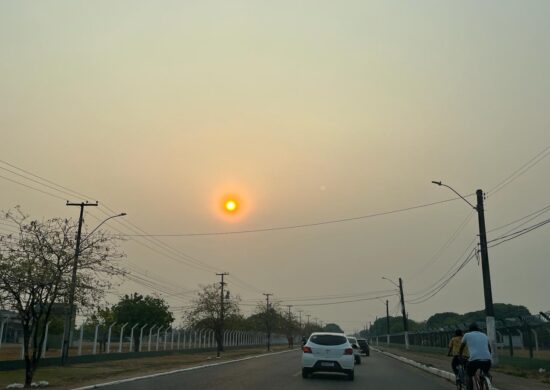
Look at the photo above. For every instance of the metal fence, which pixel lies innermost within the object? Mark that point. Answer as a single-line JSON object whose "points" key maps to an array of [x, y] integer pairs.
{"points": [[514, 335], [132, 338]]}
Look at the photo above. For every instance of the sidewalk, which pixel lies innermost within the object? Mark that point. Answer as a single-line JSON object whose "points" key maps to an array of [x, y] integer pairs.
{"points": [[500, 380]]}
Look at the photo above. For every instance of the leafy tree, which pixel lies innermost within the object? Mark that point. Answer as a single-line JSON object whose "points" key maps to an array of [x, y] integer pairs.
{"points": [[333, 328], [502, 310], [206, 311], [379, 327], [136, 308], [440, 320], [36, 264]]}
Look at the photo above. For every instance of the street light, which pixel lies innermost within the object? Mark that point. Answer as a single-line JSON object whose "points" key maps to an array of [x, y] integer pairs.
{"points": [[391, 281], [489, 310], [68, 318], [97, 227]]}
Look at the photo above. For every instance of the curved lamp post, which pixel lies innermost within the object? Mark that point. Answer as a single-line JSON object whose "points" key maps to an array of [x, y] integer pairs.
{"points": [[489, 310]]}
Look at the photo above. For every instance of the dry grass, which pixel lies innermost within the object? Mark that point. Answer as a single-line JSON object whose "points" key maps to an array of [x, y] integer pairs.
{"points": [[84, 374]]}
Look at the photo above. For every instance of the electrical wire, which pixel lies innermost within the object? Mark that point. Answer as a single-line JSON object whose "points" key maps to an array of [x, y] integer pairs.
{"points": [[340, 302], [459, 258], [516, 234], [440, 287], [520, 171], [437, 255], [300, 226], [535, 214]]}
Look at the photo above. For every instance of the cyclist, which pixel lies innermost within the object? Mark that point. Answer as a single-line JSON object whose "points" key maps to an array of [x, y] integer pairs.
{"points": [[480, 352], [454, 350]]}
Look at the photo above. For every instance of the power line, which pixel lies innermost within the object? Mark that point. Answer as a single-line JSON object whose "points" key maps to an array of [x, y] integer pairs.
{"points": [[427, 289], [340, 302], [535, 214], [518, 233], [436, 290], [520, 171], [306, 225], [32, 188], [437, 255]]}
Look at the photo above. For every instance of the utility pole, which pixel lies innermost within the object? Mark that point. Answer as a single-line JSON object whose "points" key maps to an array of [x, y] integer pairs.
{"points": [[267, 320], [387, 323], [489, 310], [220, 327], [290, 336], [487, 290], [300, 321], [70, 312], [405, 322]]}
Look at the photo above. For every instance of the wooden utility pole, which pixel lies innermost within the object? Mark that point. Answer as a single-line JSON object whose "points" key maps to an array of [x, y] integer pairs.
{"points": [[70, 312], [268, 325], [221, 324]]}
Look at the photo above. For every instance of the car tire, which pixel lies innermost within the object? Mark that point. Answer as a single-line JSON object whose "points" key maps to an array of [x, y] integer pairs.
{"points": [[351, 375], [305, 373], [357, 360]]}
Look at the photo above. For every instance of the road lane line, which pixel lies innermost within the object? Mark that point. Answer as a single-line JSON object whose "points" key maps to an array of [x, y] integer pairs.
{"points": [[137, 378]]}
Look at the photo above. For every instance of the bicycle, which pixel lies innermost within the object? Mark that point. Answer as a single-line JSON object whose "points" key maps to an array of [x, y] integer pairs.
{"points": [[461, 376], [482, 380]]}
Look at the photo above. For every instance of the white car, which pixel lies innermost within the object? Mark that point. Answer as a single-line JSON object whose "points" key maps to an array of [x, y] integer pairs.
{"points": [[356, 349], [327, 352]]}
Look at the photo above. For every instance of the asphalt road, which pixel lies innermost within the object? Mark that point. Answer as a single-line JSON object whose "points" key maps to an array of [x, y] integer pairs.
{"points": [[283, 371]]}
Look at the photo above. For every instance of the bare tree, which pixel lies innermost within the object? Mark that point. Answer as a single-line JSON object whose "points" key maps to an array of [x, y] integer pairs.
{"points": [[206, 311], [36, 264]]}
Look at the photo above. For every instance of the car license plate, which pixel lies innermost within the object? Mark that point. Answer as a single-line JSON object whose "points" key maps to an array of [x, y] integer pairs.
{"points": [[327, 364]]}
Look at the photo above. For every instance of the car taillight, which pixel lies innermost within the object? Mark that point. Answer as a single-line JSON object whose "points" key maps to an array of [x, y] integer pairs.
{"points": [[348, 351], [306, 349]]}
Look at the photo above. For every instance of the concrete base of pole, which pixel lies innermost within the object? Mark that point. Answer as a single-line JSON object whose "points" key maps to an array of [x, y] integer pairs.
{"points": [[492, 336], [406, 340]]}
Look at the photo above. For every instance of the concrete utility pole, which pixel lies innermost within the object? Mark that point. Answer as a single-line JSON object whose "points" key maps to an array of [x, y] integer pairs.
{"points": [[300, 321], [220, 343], [290, 325], [267, 321], [387, 322], [486, 273], [70, 310], [489, 310], [405, 322]]}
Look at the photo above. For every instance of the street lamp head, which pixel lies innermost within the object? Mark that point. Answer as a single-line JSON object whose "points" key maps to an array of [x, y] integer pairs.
{"points": [[437, 182], [122, 214]]}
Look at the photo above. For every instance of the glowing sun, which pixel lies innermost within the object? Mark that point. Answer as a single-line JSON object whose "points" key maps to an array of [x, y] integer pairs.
{"points": [[231, 206]]}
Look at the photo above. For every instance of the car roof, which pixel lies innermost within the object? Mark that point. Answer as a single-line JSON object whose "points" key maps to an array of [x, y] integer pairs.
{"points": [[328, 333]]}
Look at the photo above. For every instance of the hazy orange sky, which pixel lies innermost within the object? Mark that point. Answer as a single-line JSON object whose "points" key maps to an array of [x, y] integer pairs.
{"points": [[307, 111]]}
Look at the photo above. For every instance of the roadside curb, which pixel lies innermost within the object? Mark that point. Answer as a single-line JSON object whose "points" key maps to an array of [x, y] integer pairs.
{"points": [[432, 370], [137, 378]]}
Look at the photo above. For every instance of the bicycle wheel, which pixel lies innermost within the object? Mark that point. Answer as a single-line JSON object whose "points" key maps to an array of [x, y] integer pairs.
{"points": [[486, 382], [460, 379], [477, 384]]}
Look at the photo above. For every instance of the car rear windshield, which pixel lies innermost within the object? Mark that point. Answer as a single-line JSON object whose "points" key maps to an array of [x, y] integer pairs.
{"points": [[327, 339]]}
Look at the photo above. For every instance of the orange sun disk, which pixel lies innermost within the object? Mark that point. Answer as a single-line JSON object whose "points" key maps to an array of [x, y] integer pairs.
{"points": [[230, 206]]}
